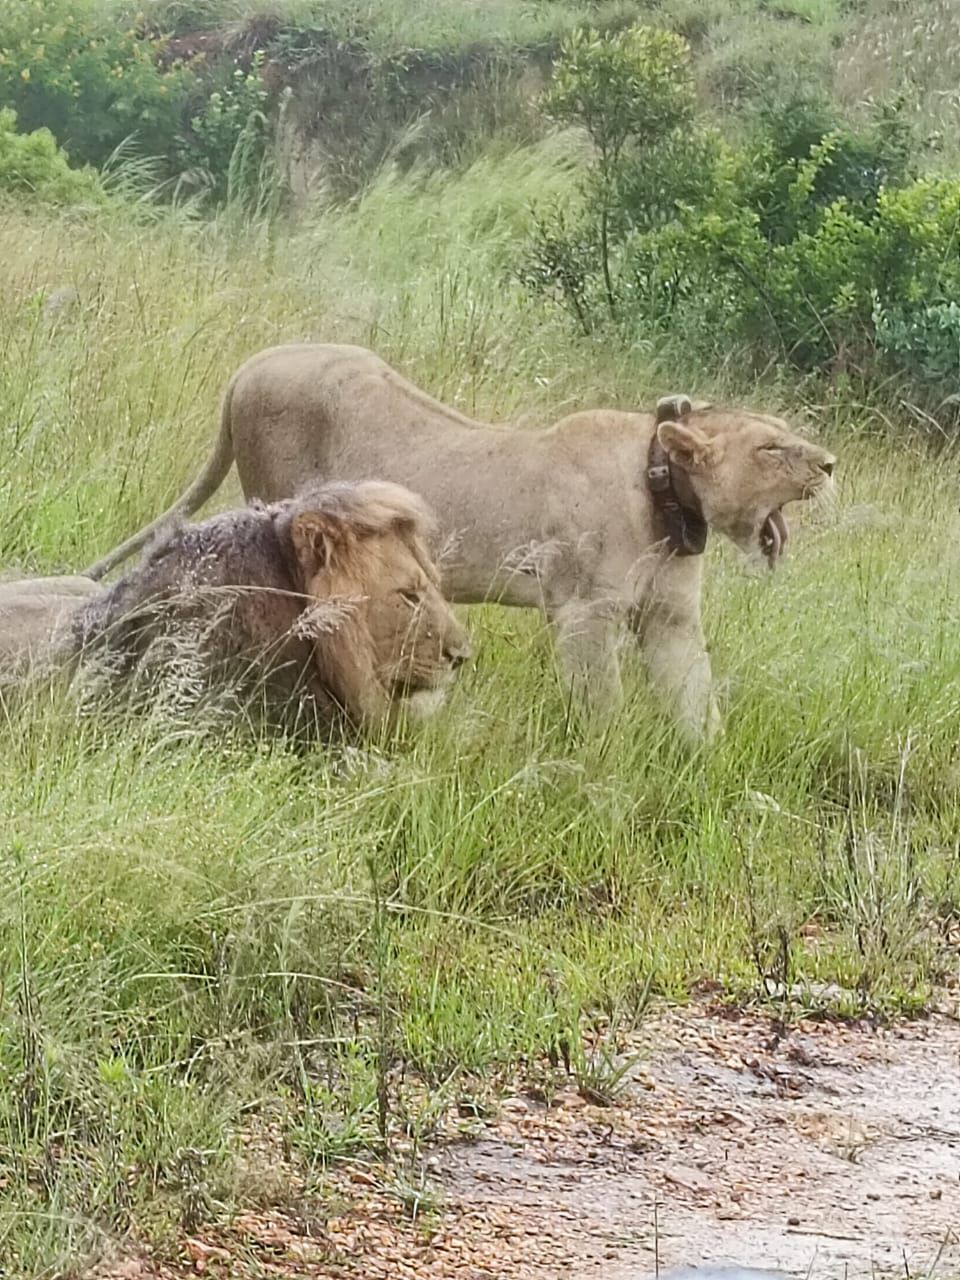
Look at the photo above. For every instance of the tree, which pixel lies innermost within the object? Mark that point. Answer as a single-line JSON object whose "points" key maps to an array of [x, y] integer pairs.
{"points": [[631, 90]]}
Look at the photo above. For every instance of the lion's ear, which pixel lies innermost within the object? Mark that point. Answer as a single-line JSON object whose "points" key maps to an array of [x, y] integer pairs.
{"points": [[686, 444], [319, 541], [405, 527], [673, 408]]}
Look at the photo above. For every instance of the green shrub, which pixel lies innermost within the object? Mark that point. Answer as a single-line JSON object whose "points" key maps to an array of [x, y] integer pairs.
{"points": [[562, 263], [804, 158], [96, 85], [223, 152], [873, 292], [811, 243], [915, 310], [632, 91], [631, 87], [32, 164], [89, 81]]}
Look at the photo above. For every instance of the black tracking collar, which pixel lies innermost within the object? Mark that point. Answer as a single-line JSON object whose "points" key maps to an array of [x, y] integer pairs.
{"points": [[675, 502]]}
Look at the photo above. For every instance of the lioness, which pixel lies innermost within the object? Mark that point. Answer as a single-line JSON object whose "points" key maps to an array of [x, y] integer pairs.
{"points": [[333, 592], [566, 518]]}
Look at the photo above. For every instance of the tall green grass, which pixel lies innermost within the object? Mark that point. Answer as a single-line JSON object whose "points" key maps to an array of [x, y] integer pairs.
{"points": [[201, 930]]}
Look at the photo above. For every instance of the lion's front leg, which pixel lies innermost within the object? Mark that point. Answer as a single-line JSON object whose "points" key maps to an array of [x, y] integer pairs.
{"points": [[679, 668], [585, 633]]}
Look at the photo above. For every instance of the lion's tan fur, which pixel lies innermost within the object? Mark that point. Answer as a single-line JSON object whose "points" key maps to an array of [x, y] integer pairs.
{"points": [[35, 616], [558, 518], [62, 585]]}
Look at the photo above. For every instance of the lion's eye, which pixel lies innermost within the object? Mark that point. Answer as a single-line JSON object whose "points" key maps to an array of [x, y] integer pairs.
{"points": [[777, 450], [413, 598]]}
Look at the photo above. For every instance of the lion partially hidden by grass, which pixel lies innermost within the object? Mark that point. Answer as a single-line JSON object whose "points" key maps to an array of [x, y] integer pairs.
{"points": [[327, 604]]}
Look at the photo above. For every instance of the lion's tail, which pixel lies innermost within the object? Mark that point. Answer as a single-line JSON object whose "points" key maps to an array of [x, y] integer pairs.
{"points": [[207, 482]]}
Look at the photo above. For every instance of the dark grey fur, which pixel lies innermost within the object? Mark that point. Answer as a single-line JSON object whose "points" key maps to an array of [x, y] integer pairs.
{"points": [[231, 589]]}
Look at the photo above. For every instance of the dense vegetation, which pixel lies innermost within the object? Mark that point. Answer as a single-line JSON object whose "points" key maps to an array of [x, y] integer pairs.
{"points": [[200, 929]]}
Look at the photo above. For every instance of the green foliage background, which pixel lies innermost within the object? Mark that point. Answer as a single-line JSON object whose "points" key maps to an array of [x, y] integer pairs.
{"points": [[810, 242]]}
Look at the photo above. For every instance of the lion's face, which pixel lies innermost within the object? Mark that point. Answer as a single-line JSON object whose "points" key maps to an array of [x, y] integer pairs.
{"points": [[394, 641], [418, 643], [744, 469]]}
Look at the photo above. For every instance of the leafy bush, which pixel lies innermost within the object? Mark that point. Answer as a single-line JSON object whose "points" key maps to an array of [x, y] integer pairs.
{"points": [[223, 152], [88, 81], [873, 292], [915, 310], [632, 91], [97, 86], [630, 87], [562, 263], [32, 164], [811, 243], [785, 151]]}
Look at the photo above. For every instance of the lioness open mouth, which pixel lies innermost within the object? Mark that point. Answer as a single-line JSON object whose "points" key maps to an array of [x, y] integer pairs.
{"points": [[773, 536]]}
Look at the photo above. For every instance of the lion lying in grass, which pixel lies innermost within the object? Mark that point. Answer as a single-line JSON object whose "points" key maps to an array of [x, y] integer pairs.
{"points": [[35, 631], [568, 519], [331, 597]]}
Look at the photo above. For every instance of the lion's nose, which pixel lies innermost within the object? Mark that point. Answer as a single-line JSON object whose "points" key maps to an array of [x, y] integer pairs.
{"points": [[827, 467]]}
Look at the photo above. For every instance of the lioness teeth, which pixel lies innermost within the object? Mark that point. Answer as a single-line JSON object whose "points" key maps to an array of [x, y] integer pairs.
{"points": [[773, 536]]}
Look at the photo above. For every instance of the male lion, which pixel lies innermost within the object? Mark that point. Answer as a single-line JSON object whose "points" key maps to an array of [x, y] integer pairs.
{"points": [[332, 593], [569, 518]]}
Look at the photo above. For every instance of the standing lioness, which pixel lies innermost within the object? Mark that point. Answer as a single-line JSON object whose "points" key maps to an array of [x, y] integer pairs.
{"points": [[595, 519]]}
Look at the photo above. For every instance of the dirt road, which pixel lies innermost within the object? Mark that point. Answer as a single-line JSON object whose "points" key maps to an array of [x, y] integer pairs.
{"points": [[827, 1151]]}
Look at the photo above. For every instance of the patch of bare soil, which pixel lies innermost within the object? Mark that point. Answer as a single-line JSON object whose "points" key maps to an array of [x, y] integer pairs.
{"points": [[826, 1150]]}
